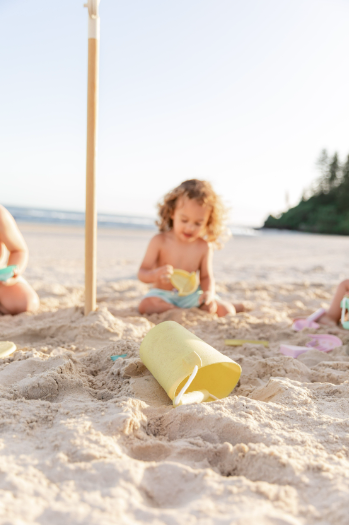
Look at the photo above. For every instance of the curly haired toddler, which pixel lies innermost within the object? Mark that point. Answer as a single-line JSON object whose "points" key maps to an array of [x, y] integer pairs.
{"points": [[191, 222]]}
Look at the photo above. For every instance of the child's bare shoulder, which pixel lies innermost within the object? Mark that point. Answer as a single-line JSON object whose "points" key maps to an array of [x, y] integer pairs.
{"points": [[204, 246], [4, 214], [6, 221], [158, 240], [9, 231], [159, 237]]}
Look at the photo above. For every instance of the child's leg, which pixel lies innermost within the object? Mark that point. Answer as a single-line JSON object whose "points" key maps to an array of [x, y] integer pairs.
{"points": [[154, 305], [334, 313], [18, 298]]}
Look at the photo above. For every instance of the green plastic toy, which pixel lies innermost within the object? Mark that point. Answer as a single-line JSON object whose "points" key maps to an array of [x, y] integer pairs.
{"points": [[115, 357], [345, 307], [7, 273]]}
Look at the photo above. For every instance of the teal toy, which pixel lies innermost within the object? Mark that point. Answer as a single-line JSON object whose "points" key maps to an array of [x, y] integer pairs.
{"points": [[115, 357], [345, 307], [7, 273]]}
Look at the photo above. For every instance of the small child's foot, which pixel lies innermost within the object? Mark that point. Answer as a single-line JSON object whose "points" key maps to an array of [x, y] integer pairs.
{"points": [[241, 308], [326, 320]]}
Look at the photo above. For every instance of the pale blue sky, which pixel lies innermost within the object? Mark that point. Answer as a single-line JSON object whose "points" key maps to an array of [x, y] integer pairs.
{"points": [[242, 93]]}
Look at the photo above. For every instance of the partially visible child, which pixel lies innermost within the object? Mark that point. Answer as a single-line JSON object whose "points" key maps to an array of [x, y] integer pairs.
{"points": [[191, 222], [333, 315], [16, 295]]}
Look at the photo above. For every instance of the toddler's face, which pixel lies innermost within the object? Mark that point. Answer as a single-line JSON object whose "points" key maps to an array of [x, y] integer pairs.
{"points": [[190, 219]]}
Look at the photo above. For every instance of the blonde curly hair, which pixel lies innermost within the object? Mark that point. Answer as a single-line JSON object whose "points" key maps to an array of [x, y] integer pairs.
{"points": [[203, 193]]}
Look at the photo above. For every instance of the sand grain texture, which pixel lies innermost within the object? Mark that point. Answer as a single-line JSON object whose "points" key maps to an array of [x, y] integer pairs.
{"points": [[84, 440]]}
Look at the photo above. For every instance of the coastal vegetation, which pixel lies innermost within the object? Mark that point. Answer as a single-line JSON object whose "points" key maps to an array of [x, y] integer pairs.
{"points": [[324, 208]]}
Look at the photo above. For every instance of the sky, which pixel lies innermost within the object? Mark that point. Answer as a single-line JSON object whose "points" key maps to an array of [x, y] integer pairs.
{"points": [[242, 93]]}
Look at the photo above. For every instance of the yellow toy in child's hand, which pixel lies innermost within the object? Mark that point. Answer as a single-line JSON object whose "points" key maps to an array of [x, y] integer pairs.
{"points": [[185, 282]]}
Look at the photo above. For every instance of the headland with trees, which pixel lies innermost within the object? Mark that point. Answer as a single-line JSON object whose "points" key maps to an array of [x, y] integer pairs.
{"points": [[324, 208]]}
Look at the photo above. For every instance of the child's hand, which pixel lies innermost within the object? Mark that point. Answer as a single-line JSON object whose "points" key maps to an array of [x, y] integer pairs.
{"points": [[208, 303], [163, 274], [12, 280]]}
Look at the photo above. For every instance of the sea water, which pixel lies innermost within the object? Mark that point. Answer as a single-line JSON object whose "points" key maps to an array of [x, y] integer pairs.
{"points": [[105, 220]]}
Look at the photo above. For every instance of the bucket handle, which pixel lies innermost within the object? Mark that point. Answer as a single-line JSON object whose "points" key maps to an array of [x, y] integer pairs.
{"points": [[178, 398]]}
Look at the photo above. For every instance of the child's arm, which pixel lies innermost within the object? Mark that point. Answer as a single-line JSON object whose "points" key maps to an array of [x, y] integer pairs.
{"points": [[148, 272], [14, 242], [207, 281]]}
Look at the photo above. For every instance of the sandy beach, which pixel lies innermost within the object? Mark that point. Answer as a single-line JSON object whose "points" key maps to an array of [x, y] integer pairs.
{"points": [[88, 441]]}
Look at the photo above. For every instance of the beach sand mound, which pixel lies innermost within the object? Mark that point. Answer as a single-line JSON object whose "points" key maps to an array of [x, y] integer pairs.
{"points": [[86, 440]]}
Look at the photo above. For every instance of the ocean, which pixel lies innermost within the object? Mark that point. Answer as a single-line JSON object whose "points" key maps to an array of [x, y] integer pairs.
{"points": [[105, 220]]}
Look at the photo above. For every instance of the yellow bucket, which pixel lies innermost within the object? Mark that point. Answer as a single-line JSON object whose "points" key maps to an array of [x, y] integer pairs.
{"points": [[181, 362]]}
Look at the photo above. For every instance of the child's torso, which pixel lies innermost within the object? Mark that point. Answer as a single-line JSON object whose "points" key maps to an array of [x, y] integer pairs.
{"points": [[181, 256]]}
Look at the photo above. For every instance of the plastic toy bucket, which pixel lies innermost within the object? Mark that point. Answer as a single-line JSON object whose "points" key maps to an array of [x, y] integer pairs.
{"points": [[345, 307], [172, 354]]}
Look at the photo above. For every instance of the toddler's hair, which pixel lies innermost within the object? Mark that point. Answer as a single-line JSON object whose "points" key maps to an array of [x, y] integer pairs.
{"points": [[203, 193]]}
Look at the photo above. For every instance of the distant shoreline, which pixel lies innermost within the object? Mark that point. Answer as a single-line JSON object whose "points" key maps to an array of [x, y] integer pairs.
{"points": [[106, 221], [38, 219], [77, 218]]}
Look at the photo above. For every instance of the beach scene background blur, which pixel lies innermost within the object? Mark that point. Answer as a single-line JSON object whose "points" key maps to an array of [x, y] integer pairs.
{"points": [[245, 95]]}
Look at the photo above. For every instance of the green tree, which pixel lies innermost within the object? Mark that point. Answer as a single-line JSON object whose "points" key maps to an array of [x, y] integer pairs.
{"points": [[343, 189], [345, 172], [330, 171], [323, 166], [334, 171], [326, 210]]}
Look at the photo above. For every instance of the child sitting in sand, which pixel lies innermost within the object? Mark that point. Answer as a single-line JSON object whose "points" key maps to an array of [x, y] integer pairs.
{"points": [[16, 295], [333, 315], [191, 221]]}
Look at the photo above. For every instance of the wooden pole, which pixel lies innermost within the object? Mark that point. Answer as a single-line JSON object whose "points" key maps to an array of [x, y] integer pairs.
{"points": [[91, 160]]}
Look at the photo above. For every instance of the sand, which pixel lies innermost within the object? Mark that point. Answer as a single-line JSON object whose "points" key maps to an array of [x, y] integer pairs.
{"points": [[87, 441]]}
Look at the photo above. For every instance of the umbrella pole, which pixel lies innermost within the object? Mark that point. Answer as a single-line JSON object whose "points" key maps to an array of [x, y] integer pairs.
{"points": [[91, 160]]}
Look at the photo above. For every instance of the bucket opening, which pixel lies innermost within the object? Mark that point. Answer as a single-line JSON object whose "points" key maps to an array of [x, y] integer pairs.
{"points": [[219, 379]]}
